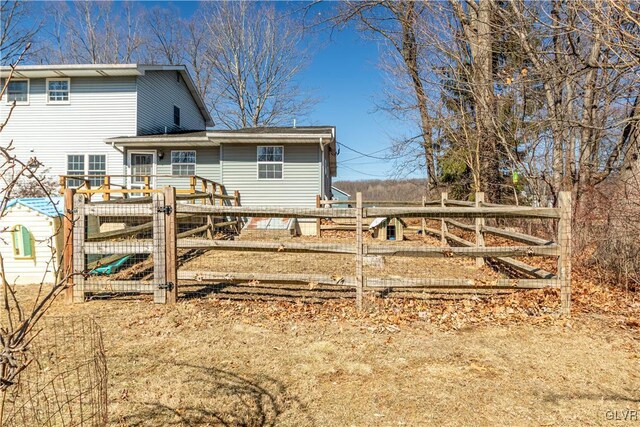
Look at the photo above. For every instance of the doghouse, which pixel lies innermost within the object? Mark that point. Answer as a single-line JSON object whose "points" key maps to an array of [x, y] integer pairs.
{"points": [[388, 228]]}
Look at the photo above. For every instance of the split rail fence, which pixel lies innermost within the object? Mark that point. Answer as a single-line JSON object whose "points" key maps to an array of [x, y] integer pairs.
{"points": [[167, 239]]}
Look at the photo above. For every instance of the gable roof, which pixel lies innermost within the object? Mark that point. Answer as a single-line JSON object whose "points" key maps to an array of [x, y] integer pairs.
{"points": [[107, 70], [51, 207]]}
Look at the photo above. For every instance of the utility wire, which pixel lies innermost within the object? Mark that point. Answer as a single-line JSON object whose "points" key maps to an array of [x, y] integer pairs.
{"points": [[368, 155]]}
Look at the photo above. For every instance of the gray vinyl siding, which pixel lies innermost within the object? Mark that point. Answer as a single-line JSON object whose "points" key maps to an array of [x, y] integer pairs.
{"points": [[99, 108], [158, 92], [207, 166], [298, 187]]}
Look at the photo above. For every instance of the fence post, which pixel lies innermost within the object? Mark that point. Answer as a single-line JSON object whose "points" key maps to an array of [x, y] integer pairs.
{"points": [[170, 245], [444, 196], [564, 260], [359, 253], [67, 253], [236, 202], [423, 221], [78, 247], [318, 222], [159, 249], [479, 228]]}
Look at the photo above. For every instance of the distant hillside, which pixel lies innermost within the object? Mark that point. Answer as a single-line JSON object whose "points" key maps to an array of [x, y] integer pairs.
{"points": [[383, 189]]}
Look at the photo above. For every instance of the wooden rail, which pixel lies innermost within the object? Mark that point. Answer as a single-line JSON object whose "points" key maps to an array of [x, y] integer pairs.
{"points": [[165, 211]]}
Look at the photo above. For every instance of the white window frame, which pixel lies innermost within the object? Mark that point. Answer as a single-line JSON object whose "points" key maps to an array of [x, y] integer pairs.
{"points": [[6, 96], [57, 79], [195, 163], [259, 162], [85, 173]]}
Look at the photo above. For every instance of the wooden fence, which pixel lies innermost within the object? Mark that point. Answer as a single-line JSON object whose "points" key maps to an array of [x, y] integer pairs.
{"points": [[166, 240]]}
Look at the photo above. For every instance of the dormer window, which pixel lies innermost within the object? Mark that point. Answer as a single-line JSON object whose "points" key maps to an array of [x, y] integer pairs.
{"points": [[58, 91], [176, 116], [18, 91]]}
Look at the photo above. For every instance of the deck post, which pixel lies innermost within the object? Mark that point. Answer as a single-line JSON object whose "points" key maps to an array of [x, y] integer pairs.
{"points": [[67, 252], [359, 253], [318, 223], [170, 246], [564, 260], [106, 184], [443, 225], [479, 228], [78, 247]]}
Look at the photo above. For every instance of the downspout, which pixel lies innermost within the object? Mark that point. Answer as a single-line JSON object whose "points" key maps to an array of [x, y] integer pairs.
{"points": [[322, 168]]}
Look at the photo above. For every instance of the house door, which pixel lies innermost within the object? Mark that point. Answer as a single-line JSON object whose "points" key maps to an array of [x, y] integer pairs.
{"points": [[141, 164]]}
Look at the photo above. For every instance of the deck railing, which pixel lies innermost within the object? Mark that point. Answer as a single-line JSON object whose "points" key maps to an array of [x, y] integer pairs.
{"points": [[194, 185]]}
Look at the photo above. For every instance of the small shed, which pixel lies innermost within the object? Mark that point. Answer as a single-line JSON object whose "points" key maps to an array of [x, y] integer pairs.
{"points": [[391, 228], [31, 239]]}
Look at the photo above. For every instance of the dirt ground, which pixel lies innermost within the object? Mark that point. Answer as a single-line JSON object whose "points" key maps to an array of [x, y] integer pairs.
{"points": [[212, 361]]}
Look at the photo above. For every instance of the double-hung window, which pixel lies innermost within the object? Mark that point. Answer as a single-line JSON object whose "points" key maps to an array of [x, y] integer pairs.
{"points": [[86, 164], [18, 91], [270, 161], [58, 90], [183, 163]]}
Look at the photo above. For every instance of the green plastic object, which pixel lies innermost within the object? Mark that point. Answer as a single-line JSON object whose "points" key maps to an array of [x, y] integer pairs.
{"points": [[515, 177], [111, 267]]}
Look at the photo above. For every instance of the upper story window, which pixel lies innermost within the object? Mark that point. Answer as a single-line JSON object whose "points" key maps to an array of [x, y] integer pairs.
{"points": [[176, 116], [58, 91], [270, 161], [22, 242], [18, 91], [183, 163]]}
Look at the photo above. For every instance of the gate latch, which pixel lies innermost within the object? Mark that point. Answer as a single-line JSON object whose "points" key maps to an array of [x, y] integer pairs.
{"points": [[168, 286], [166, 209]]}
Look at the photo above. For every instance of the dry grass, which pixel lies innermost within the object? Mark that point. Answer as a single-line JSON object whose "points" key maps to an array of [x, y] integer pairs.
{"points": [[208, 361], [262, 355]]}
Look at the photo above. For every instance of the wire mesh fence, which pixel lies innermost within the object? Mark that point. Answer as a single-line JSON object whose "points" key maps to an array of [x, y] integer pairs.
{"points": [[66, 382]]}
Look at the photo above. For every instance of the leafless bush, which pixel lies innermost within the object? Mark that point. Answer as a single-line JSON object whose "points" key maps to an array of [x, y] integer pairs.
{"points": [[67, 383], [607, 229]]}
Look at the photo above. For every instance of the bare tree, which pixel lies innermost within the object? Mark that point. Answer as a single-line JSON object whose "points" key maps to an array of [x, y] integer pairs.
{"points": [[255, 54], [95, 32], [399, 24], [18, 321], [19, 27]]}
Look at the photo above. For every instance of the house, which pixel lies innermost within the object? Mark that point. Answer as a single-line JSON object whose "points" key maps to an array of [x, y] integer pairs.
{"points": [[269, 166], [30, 244], [64, 114], [130, 121]]}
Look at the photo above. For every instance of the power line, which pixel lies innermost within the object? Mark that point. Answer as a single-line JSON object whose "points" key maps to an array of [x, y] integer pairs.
{"points": [[368, 155]]}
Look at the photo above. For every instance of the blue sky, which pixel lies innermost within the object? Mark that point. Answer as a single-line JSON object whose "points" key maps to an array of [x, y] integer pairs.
{"points": [[344, 75]]}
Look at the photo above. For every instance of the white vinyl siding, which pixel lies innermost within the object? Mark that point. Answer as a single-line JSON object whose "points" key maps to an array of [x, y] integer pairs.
{"points": [[207, 166], [158, 93], [101, 108], [300, 183]]}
